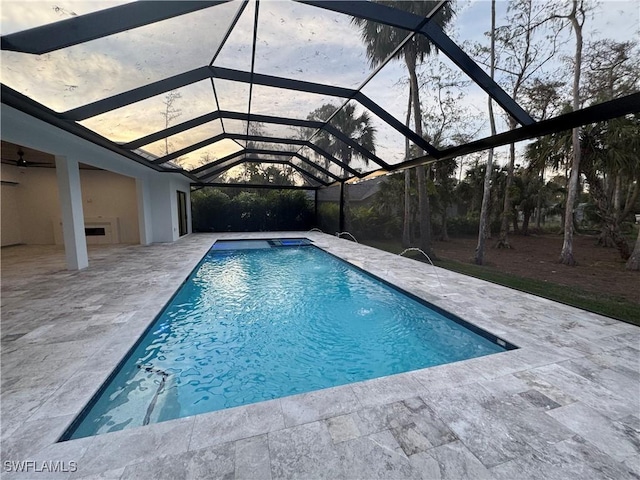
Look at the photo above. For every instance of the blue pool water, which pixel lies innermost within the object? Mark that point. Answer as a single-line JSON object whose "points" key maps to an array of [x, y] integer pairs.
{"points": [[253, 324]]}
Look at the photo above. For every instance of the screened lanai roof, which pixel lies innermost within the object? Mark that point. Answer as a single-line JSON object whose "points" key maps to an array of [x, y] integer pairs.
{"points": [[213, 85]]}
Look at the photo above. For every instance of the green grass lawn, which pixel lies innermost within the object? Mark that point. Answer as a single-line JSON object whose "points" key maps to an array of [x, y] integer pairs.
{"points": [[608, 305]]}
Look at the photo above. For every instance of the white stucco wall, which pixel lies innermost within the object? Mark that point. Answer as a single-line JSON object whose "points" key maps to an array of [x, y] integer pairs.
{"points": [[36, 206], [106, 194], [10, 229], [160, 224], [164, 207]]}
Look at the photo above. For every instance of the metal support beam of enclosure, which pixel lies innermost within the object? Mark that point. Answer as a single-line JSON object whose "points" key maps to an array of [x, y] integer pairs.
{"points": [[261, 160], [84, 28], [249, 186], [596, 113], [321, 152], [408, 21], [341, 223]]}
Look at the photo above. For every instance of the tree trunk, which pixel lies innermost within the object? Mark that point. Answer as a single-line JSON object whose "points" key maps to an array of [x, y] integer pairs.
{"points": [[526, 216], [347, 208], [424, 211], [539, 200], [634, 260], [445, 233], [423, 197], [486, 193], [566, 254], [503, 242], [617, 195], [484, 211], [406, 225], [630, 201], [611, 234]]}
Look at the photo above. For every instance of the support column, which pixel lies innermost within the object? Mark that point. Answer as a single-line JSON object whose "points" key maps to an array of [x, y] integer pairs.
{"points": [[315, 207], [144, 211], [70, 195], [341, 220], [163, 208]]}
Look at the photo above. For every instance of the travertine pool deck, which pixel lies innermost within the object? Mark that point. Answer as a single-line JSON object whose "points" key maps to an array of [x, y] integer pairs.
{"points": [[565, 405]]}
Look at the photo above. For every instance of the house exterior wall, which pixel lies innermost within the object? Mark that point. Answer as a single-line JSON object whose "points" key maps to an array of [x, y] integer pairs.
{"points": [[10, 233], [164, 207], [35, 216], [158, 188], [106, 194]]}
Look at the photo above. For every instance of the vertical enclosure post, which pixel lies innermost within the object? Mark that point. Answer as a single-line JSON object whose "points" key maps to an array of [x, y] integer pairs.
{"points": [[341, 222], [315, 207]]}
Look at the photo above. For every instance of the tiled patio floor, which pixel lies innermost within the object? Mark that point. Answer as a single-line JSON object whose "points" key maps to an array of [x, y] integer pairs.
{"points": [[565, 405]]}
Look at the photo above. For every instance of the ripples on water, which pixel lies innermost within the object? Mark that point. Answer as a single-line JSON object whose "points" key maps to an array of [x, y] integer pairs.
{"points": [[252, 325]]}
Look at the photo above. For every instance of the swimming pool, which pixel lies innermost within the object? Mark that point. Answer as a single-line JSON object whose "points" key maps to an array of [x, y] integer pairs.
{"points": [[263, 319]]}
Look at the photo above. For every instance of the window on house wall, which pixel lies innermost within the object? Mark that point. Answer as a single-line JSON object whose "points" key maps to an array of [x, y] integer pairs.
{"points": [[182, 213]]}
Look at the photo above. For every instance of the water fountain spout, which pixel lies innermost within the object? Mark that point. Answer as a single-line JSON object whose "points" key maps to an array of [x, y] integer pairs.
{"points": [[415, 249], [346, 233]]}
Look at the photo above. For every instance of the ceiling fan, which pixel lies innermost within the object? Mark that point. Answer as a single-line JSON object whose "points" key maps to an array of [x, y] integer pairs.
{"points": [[22, 163]]}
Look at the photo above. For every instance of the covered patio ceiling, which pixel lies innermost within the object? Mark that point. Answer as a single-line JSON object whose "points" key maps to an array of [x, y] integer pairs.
{"points": [[233, 82]]}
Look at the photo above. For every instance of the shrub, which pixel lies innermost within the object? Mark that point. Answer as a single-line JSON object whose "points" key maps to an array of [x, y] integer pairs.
{"points": [[368, 222], [215, 211], [329, 217]]}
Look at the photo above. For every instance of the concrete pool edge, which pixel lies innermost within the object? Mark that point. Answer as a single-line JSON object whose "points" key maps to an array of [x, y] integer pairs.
{"points": [[175, 436]]}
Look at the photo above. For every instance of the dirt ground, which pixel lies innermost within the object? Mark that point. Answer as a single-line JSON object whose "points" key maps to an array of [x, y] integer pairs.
{"points": [[599, 269]]}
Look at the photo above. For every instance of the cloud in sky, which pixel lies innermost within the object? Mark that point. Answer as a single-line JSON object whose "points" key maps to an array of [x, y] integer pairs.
{"points": [[294, 41]]}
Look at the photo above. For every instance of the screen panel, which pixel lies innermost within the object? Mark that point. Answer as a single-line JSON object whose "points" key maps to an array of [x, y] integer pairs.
{"points": [[185, 139], [153, 114], [281, 102], [81, 74], [207, 154], [327, 45]]}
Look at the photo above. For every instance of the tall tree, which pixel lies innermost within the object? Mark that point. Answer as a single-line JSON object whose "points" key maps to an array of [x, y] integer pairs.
{"points": [[612, 71], [486, 194], [358, 128], [634, 260], [381, 40], [170, 113], [542, 100], [527, 42], [593, 153], [447, 119], [406, 218], [576, 17]]}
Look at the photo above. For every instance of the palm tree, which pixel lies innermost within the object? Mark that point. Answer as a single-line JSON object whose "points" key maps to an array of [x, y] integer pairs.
{"points": [[358, 128], [609, 152], [380, 41]]}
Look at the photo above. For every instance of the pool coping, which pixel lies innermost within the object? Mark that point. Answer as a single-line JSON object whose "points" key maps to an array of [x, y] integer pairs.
{"points": [[191, 433]]}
